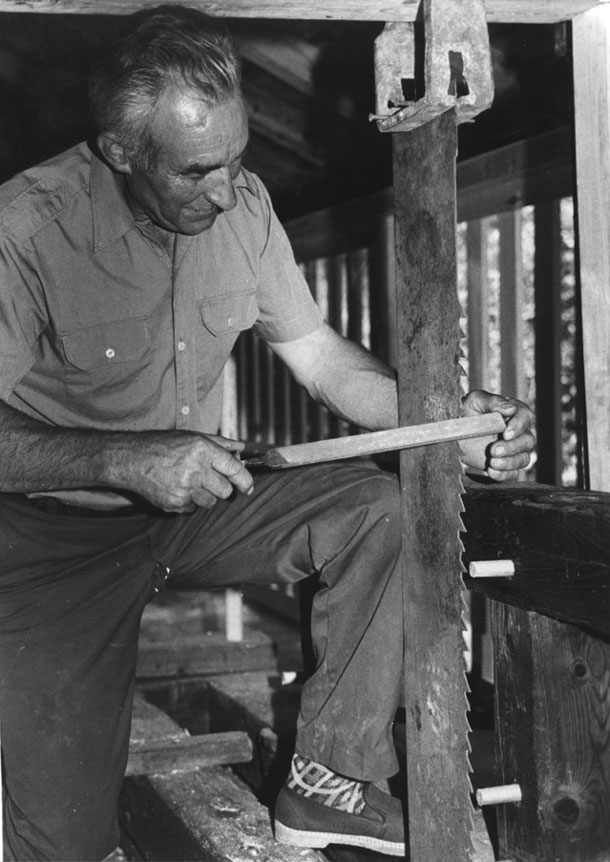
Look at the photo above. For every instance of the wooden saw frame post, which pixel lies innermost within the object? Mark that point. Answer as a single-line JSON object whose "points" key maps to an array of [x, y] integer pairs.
{"points": [[430, 75]]}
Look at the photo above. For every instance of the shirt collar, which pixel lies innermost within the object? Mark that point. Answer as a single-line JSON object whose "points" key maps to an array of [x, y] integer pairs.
{"points": [[112, 216]]}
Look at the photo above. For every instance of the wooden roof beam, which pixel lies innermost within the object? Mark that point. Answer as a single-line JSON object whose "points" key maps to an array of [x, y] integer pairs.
{"points": [[498, 11]]}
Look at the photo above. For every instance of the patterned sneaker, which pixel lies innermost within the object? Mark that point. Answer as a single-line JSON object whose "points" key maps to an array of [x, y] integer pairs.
{"points": [[304, 822]]}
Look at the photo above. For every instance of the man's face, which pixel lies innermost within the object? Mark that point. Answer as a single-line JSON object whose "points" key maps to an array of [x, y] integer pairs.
{"points": [[200, 148]]}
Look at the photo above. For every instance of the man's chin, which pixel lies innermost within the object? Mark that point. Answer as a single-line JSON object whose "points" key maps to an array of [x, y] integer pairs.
{"points": [[195, 222]]}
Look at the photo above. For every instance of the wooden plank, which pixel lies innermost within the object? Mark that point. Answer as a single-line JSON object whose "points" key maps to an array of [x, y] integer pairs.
{"points": [[591, 52], [376, 442], [282, 116], [511, 320], [478, 300], [209, 815], [285, 57], [559, 540], [428, 381], [187, 753], [547, 323], [212, 653], [506, 11], [553, 729]]}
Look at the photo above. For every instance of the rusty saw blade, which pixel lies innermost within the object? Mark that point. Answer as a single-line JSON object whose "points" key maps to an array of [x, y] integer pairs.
{"points": [[428, 314]]}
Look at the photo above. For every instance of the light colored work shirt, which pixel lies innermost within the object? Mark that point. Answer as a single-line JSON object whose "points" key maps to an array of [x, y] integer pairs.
{"points": [[103, 324]]}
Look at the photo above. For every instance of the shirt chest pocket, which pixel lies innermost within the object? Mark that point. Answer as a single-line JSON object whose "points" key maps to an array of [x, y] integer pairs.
{"points": [[108, 344], [229, 313]]}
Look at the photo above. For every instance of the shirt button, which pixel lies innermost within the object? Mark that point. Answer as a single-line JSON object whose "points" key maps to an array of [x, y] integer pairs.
{"points": [[229, 321], [185, 410], [181, 345], [110, 353]]}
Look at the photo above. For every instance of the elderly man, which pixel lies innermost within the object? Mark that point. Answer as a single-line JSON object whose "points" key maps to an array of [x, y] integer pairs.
{"points": [[127, 271]]}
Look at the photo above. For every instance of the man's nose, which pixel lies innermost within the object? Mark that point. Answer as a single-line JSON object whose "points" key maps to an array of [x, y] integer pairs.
{"points": [[220, 190]]}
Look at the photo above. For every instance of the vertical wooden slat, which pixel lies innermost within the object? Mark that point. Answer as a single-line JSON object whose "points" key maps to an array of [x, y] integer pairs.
{"points": [[511, 324], [591, 55], [355, 287], [547, 288], [438, 787], [270, 420], [383, 290], [241, 354], [286, 407], [478, 312], [256, 378]]}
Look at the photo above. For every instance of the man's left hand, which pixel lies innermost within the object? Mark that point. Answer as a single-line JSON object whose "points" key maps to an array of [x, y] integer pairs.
{"points": [[500, 457]]}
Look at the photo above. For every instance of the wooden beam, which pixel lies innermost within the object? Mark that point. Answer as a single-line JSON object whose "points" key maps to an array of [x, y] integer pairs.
{"points": [[289, 59], [204, 655], [526, 172], [511, 317], [478, 289], [188, 753], [591, 51], [547, 322], [208, 814], [559, 539], [281, 117], [498, 11], [538, 170]]}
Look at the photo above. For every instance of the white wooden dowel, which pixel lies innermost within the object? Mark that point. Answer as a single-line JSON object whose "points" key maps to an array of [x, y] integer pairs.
{"points": [[234, 625], [491, 569], [498, 795]]}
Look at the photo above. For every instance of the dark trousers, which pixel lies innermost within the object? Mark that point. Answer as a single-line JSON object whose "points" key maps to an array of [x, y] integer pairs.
{"points": [[72, 592]]}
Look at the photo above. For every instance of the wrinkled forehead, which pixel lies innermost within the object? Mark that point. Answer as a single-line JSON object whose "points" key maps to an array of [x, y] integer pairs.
{"points": [[183, 124]]}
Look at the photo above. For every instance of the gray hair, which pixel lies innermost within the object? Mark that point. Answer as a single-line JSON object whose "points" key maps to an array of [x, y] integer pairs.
{"points": [[168, 44]]}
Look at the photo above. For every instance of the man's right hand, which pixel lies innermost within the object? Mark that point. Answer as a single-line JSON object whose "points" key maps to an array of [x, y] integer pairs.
{"points": [[178, 471]]}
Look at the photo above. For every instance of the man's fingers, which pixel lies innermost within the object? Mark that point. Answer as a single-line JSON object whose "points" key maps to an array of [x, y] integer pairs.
{"points": [[233, 469], [202, 498]]}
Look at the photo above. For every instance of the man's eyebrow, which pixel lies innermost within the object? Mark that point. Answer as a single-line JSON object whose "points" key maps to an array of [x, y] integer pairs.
{"points": [[200, 168]]}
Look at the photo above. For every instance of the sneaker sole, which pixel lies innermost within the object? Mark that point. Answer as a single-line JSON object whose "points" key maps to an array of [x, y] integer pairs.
{"points": [[305, 838]]}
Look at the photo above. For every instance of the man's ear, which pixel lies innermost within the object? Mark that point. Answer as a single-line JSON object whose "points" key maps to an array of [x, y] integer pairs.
{"points": [[113, 152]]}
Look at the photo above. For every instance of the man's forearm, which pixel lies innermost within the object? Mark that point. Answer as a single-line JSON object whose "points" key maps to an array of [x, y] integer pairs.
{"points": [[366, 397], [35, 456], [174, 470], [359, 387]]}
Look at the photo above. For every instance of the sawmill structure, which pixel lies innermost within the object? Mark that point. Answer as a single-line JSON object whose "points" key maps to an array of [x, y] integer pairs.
{"points": [[386, 132]]}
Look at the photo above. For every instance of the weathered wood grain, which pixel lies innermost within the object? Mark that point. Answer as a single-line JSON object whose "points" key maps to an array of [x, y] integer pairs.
{"points": [[207, 654], [187, 753], [553, 733], [428, 382], [208, 815], [591, 50], [559, 540], [507, 11]]}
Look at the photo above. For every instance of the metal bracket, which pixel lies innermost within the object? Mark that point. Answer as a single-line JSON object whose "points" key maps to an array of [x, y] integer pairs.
{"points": [[456, 71]]}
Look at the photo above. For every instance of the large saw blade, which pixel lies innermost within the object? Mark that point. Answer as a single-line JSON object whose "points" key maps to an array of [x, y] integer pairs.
{"points": [[437, 742]]}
